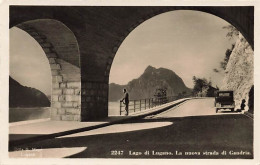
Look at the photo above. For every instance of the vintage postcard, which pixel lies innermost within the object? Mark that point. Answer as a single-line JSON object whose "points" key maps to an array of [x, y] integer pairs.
{"points": [[120, 82]]}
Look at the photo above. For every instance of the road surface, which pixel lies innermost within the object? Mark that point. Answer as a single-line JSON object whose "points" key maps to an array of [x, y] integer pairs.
{"points": [[190, 130]]}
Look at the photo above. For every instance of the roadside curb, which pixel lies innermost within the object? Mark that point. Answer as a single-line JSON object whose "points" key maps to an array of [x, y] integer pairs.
{"points": [[14, 143], [249, 114]]}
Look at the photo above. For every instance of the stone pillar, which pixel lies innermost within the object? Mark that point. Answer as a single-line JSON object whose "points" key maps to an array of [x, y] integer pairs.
{"points": [[94, 100], [66, 100]]}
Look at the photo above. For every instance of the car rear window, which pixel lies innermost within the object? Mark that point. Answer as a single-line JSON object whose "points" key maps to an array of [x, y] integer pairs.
{"points": [[224, 94]]}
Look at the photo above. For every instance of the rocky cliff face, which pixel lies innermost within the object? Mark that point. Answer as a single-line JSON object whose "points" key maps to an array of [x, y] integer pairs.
{"points": [[22, 96], [239, 74], [146, 85]]}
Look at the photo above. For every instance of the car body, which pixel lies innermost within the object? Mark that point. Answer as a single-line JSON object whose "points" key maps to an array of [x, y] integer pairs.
{"points": [[224, 100]]}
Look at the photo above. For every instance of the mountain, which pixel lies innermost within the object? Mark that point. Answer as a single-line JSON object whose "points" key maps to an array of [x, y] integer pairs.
{"points": [[22, 96], [146, 85]]}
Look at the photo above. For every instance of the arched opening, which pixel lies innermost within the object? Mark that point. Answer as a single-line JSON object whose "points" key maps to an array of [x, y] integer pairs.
{"points": [[189, 43], [61, 49], [29, 80]]}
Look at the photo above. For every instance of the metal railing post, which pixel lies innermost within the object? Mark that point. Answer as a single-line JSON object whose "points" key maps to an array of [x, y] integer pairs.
{"points": [[134, 105], [140, 104], [120, 107]]}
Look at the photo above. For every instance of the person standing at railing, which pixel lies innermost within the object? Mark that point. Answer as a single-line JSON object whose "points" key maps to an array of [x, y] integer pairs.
{"points": [[125, 100]]}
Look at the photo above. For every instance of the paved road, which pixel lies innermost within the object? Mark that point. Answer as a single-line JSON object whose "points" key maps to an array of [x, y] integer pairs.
{"points": [[191, 130]]}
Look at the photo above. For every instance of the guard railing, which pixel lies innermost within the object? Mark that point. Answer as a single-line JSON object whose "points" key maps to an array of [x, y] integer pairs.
{"points": [[148, 103]]}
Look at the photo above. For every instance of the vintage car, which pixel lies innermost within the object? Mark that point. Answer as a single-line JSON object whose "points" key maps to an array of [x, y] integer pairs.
{"points": [[224, 100]]}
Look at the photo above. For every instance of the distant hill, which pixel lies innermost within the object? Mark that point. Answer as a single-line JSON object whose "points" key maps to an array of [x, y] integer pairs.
{"points": [[148, 82], [22, 96]]}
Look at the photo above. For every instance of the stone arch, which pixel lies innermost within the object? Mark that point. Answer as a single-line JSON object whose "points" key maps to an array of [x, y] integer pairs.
{"points": [[62, 52], [100, 30]]}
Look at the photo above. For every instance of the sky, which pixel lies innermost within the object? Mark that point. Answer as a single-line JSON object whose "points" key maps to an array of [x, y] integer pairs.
{"points": [[28, 62], [191, 43]]}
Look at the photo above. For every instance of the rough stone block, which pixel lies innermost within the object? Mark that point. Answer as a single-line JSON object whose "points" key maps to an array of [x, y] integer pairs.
{"points": [[77, 91], [56, 117], [67, 104], [56, 104], [55, 85], [100, 92], [67, 117], [83, 99], [68, 91], [72, 98], [84, 92], [46, 50], [115, 49], [105, 86], [39, 39], [55, 66], [110, 61], [83, 106], [28, 29], [63, 85], [88, 99], [78, 112], [104, 93], [52, 60], [72, 111], [88, 85], [54, 111], [45, 45], [92, 92], [56, 91], [61, 111], [42, 36], [76, 104], [108, 67], [73, 84], [76, 117], [56, 79], [55, 97], [55, 72], [51, 55], [33, 33], [61, 98]]}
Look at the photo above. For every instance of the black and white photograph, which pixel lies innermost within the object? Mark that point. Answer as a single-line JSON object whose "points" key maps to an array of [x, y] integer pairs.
{"points": [[131, 82]]}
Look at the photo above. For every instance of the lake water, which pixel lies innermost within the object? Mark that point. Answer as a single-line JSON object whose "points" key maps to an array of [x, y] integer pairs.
{"points": [[113, 108], [22, 114]]}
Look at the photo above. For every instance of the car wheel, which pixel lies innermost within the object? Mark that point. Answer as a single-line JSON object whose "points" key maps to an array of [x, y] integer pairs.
{"points": [[232, 109]]}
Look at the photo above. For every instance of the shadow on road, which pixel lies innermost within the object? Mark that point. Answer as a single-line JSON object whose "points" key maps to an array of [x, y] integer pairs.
{"points": [[197, 134]]}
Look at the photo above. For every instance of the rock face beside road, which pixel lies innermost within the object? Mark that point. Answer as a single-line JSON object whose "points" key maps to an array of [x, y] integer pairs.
{"points": [[239, 74], [146, 85]]}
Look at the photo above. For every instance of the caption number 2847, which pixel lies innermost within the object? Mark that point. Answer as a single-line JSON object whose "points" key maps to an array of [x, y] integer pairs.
{"points": [[115, 152]]}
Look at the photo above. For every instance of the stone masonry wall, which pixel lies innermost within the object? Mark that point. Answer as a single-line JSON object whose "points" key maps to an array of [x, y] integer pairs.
{"points": [[94, 100], [66, 104], [239, 74]]}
